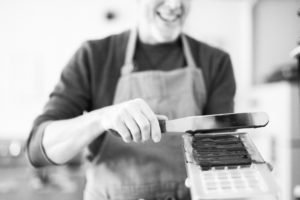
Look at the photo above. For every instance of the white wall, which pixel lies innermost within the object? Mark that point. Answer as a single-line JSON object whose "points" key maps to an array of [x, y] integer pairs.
{"points": [[228, 25], [37, 39]]}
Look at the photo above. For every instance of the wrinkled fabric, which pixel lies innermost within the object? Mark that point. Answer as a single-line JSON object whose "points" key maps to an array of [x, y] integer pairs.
{"points": [[148, 170], [88, 82]]}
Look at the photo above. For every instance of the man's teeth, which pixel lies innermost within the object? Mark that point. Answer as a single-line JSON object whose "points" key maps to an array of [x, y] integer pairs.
{"points": [[168, 17]]}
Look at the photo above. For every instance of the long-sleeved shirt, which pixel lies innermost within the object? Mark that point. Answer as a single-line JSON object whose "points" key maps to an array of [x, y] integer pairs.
{"points": [[89, 80]]}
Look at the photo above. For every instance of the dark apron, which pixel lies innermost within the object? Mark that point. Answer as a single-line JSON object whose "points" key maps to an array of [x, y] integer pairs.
{"points": [[148, 170]]}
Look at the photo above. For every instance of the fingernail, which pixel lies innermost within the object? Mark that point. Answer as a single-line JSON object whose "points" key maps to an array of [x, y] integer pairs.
{"points": [[156, 138], [127, 140]]}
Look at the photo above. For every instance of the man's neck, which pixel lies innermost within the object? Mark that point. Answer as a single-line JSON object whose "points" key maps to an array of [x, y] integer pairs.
{"points": [[147, 37]]}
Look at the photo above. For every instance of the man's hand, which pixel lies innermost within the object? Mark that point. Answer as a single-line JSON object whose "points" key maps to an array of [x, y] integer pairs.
{"points": [[133, 120]]}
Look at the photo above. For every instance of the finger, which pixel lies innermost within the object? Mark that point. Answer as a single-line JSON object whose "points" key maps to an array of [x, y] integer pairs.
{"points": [[144, 125], [133, 127], [152, 118], [162, 117], [123, 131]]}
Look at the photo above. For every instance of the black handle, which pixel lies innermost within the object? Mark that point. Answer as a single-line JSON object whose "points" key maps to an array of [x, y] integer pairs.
{"points": [[162, 125]]}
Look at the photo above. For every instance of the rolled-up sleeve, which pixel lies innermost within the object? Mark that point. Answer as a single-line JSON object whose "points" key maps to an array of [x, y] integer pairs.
{"points": [[70, 98]]}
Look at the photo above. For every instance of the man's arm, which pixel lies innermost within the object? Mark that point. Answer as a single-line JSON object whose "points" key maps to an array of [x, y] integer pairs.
{"points": [[70, 98], [222, 87], [133, 120], [62, 131]]}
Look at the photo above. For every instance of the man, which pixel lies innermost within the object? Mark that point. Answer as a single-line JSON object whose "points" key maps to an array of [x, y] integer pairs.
{"points": [[124, 83]]}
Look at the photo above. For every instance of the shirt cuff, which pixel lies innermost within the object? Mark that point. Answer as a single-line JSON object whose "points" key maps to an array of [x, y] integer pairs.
{"points": [[35, 149]]}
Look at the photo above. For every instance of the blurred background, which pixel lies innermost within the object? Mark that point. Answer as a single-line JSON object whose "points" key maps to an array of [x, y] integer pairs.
{"points": [[38, 37]]}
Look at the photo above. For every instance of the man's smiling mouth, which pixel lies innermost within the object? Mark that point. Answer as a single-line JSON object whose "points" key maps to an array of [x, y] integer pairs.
{"points": [[170, 16]]}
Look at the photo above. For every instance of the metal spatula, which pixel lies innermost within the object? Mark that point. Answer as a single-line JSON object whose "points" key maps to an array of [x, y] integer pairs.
{"points": [[215, 123]]}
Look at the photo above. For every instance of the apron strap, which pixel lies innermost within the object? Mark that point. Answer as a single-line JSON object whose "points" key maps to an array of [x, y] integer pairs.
{"points": [[187, 52], [128, 65]]}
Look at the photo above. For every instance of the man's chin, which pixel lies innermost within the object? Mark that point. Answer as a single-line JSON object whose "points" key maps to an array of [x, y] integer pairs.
{"points": [[166, 36]]}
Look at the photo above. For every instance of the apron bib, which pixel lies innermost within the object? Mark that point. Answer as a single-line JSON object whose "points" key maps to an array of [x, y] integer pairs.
{"points": [[148, 170]]}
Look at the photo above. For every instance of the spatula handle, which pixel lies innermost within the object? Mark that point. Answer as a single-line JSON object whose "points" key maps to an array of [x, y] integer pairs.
{"points": [[162, 125]]}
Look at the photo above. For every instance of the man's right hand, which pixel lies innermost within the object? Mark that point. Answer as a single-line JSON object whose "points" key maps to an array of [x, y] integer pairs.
{"points": [[133, 120]]}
